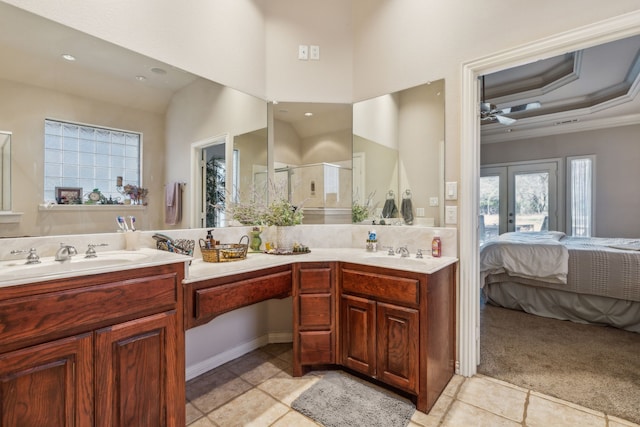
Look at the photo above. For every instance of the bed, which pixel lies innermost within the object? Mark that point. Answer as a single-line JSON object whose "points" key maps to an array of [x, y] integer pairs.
{"points": [[582, 279]]}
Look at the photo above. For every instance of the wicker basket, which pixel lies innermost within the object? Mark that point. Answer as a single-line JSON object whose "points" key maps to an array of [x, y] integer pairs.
{"points": [[225, 252]]}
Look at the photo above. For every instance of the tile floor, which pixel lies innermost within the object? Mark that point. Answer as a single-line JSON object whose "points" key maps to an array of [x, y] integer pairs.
{"points": [[257, 389]]}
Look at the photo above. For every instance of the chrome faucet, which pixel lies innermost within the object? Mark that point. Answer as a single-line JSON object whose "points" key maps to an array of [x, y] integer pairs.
{"points": [[32, 258], [65, 252], [390, 250], [403, 251], [91, 249]]}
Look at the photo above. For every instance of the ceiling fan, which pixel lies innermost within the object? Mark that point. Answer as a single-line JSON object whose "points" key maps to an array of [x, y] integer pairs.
{"points": [[489, 112]]}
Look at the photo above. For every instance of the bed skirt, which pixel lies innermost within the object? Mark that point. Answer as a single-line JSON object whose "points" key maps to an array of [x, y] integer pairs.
{"points": [[562, 305]]}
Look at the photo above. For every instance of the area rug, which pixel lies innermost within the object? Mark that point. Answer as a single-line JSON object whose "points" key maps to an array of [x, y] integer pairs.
{"points": [[593, 366], [339, 400]]}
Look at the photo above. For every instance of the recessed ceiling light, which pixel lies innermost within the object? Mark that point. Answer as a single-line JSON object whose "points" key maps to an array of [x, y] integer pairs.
{"points": [[158, 70], [141, 78], [308, 114], [68, 57]]}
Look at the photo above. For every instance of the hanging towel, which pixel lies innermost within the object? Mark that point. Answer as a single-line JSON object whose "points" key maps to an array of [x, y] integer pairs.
{"points": [[173, 208], [406, 208], [389, 210]]}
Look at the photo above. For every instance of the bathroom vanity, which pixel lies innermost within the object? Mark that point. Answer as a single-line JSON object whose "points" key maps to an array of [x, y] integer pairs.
{"points": [[103, 343], [94, 350]]}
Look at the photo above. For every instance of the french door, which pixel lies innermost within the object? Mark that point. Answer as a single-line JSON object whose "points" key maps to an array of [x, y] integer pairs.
{"points": [[518, 197]]}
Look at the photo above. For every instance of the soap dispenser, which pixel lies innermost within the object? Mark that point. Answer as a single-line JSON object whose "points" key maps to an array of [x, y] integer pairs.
{"points": [[436, 245], [211, 242]]}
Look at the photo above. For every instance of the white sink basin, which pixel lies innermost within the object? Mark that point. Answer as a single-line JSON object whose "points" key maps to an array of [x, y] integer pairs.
{"points": [[412, 263], [14, 270]]}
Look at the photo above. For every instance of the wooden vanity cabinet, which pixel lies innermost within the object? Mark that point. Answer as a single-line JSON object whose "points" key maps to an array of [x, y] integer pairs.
{"points": [[99, 350], [314, 315], [399, 327], [207, 299]]}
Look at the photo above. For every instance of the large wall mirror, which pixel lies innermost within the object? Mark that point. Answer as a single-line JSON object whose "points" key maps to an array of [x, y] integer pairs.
{"points": [[313, 159], [398, 154], [5, 171], [115, 88]]}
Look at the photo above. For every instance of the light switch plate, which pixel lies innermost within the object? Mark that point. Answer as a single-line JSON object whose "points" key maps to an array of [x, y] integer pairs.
{"points": [[451, 215], [303, 52], [451, 191], [420, 212]]}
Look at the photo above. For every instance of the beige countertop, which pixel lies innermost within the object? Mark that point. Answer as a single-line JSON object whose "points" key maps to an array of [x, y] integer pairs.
{"points": [[16, 272], [200, 270]]}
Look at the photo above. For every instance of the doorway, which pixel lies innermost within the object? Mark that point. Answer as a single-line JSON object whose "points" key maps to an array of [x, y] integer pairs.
{"points": [[468, 308], [519, 197]]}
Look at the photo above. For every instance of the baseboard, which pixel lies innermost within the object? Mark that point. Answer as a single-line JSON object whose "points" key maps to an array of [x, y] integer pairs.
{"points": [[235, 352]]}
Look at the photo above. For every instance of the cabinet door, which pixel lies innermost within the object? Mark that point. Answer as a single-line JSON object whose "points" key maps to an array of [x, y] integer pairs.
{"points": [[398, 338], [48, 384], [138, 382], [358, 322]]}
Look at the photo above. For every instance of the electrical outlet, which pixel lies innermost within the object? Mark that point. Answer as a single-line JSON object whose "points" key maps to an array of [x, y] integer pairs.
{"points": [[451, 215], [314, 52], [433, 201], [303, 52]]}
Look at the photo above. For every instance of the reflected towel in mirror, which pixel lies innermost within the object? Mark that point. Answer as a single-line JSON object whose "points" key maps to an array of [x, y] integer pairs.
{"points": [[173, 205], [406, 209], [389, 210]]}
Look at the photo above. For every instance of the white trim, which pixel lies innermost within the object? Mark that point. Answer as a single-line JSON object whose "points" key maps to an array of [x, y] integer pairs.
{"points": [[468, 309], [219, 359], [195, 190]]}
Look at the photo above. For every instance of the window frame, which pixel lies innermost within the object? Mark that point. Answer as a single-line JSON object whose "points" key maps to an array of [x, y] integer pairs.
{"points": [[112, 189], [569, 200]]}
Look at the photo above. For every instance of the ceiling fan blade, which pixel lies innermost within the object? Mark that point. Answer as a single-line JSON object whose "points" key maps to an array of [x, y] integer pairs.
{"points": [[504, 120], [521, 107]]}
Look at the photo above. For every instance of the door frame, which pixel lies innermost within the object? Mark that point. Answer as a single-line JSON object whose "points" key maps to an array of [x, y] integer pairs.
{"points": [[605, 31], [196, 189]]}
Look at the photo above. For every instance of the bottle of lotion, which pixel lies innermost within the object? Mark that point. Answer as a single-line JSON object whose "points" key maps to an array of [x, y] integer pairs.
{"points": [[436, 246]]}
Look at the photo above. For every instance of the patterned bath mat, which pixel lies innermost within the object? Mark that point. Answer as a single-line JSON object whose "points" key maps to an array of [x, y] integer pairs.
{"points": [[338, 400]]}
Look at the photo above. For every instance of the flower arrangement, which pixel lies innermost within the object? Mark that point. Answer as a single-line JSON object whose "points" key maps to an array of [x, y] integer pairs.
{"points": [[135, 193], [281, 212], [361, 211]]}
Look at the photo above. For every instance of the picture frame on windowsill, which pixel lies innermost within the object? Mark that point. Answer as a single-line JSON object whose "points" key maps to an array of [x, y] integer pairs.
{"points": [[69, 195]]}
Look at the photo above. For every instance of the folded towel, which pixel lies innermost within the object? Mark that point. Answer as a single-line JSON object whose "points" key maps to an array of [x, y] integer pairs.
{"points": [[406, 208], [389, 210], [173, 209]]}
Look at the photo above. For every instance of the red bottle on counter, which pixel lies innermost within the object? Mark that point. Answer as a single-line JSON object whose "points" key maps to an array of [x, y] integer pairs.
{"points": [[436, 247]]}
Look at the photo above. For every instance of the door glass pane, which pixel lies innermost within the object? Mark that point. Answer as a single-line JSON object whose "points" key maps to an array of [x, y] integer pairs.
{"points": [[531, 201], [489, 207]]}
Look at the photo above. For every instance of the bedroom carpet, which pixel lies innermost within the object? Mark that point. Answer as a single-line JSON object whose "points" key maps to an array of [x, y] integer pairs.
{"points": [[593, 366]]}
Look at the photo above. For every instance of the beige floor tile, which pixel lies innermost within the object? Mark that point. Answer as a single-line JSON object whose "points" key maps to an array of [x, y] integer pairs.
{"points": [[221, 394], [202, 422], [294, 419], [464, 415], [436, 413], [496, 397], [192, 413], [276, 349], [618, 422], [454, 384], [256, 367], [287, 356], [286, 388], [543, 412], [253, 408]]}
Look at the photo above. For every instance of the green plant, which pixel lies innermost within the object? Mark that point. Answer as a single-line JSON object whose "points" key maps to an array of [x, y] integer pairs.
{"points": [[361, 211], [281, 212]]}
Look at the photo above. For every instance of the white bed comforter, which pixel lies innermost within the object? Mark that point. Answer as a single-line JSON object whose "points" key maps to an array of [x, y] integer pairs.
{"points": [[538, 255]]}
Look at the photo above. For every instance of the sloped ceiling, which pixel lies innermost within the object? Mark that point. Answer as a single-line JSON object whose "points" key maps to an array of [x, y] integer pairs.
{"points": [[588, 89]]}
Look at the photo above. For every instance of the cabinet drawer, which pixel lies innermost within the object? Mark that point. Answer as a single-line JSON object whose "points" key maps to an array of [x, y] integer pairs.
{"points": [[315, 311], [316, 347], [380, 286], [315, 279], [43, 317], [210, 302]]}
